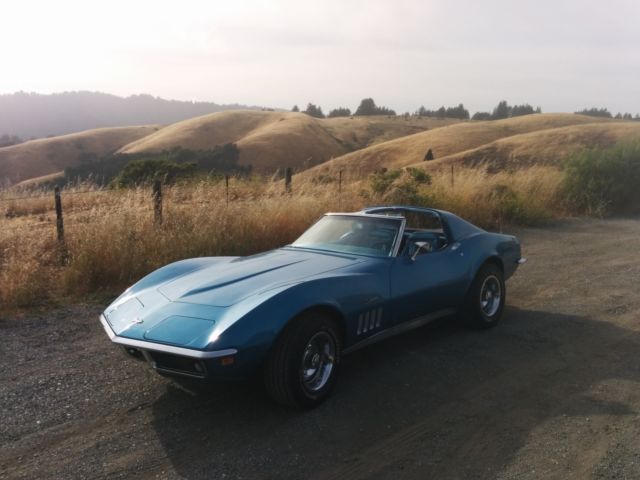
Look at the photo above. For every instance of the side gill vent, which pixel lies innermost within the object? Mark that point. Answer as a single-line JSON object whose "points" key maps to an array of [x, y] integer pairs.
{"points": [[369, 320]]}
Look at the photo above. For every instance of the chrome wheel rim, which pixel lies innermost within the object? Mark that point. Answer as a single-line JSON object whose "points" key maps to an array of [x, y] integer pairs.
{"points": [[490, 295], [318, 360]]}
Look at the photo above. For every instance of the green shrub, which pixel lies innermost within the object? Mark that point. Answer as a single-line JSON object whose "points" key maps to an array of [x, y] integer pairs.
{"points": [[382, 180], [143, 171], [419, 176], [401, 186], [601, 182]]}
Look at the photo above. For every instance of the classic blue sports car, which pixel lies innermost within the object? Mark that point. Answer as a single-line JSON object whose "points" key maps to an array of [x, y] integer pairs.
{"points": [[291, 313]]}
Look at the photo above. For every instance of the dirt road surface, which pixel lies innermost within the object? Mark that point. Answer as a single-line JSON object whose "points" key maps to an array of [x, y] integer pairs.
{"points": [[552, 392]]}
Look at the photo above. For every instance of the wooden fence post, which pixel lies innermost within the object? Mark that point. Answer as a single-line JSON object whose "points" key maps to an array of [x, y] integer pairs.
{"points": [[340, 189], [59, 221], [226, 185], [157, 202], [452, 177], [287, 180]]}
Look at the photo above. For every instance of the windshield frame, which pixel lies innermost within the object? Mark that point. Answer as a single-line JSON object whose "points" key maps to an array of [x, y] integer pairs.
{"points": [[393, 252]]}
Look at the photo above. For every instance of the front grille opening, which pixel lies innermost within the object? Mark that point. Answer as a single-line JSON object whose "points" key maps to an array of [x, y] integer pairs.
{"points": [[178, 364]]}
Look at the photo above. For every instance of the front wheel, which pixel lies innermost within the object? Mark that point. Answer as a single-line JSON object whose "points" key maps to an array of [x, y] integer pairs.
{"points": [[301, 367], [486, 298]]}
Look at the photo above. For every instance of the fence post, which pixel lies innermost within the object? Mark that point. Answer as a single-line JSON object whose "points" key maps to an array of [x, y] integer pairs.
{"points": [[287, 179], [226, 185], [157, 202], [452, 177], [340, 189], [59, 221]]}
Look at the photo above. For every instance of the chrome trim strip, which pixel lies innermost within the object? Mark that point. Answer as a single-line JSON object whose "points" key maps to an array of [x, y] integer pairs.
{"points": [[399, 235], [521, 261], [158, 347], [398, 329]]}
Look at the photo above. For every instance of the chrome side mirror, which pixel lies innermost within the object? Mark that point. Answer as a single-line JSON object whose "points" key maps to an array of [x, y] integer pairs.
{"points": [[426, 246]]}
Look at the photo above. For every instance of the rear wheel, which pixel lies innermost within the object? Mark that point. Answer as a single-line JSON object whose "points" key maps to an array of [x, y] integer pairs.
{"points": [[301, 368], [486, 298]]}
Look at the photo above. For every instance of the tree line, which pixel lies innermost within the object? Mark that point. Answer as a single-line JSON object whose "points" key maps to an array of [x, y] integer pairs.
{"points": [[368, 107], [501, 111], [605, 113]]}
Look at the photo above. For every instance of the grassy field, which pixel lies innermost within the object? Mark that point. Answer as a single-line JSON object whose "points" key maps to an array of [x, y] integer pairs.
{"points": [[493, 173], [111, 239]]}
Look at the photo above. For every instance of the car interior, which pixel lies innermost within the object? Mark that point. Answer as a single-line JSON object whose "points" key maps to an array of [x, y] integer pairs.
{"points": [[420, 227]]}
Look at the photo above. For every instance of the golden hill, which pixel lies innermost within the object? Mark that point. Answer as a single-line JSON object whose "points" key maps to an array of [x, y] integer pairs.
{"points": [[37, 158], [270, 140], [544, 147], [445, 141]]}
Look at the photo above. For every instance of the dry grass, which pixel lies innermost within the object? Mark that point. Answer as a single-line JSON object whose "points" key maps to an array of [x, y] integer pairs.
{"points": [[111, 239], [529, 196], [46, 156]]}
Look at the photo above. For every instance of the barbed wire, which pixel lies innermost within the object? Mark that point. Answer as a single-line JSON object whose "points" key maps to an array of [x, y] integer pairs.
{"points": [[49, 195]]}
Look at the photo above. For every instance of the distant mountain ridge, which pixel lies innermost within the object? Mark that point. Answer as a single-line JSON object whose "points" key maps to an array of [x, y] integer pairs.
{"points": [[34, 115]]}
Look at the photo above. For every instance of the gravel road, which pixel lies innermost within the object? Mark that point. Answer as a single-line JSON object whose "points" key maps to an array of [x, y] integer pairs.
{"points": [[552, 392]]}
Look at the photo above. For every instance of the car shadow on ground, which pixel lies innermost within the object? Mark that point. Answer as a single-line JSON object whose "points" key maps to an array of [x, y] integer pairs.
{"points": [[438, 402]]}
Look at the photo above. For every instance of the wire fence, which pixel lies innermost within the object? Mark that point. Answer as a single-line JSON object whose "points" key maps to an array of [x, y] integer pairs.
{"points": [[157, 195], [48, 195]]}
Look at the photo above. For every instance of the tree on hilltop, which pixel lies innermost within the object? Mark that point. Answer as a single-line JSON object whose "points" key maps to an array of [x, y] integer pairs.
{"points": [[481, 116], [368, 107], [502, 110], [595, 112], [340, 112], [314, 111]]}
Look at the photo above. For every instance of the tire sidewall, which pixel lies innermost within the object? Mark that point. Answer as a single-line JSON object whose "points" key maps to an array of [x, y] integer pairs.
{"points": [[308, 329], [478, 317]]}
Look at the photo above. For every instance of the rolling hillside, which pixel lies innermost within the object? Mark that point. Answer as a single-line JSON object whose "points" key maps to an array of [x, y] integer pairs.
{"points": [[267, 141], [270, 140], [356, 145], [544, 147], [449, 140], [46, 156]]}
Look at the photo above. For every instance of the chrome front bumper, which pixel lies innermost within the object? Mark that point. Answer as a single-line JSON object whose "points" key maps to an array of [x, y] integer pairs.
{"points": [[159, 347]]}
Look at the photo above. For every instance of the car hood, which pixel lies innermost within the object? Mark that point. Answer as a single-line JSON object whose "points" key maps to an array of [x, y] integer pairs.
{"points": [[225, 284]]}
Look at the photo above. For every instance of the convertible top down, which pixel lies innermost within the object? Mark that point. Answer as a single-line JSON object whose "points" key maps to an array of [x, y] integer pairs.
{"points": [[350, 280]]}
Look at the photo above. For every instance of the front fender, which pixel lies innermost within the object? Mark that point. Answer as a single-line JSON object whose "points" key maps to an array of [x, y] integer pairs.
{"points": [[259, 321]]}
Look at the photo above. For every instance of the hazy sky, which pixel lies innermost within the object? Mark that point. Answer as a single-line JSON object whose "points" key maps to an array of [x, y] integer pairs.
{"points": [[560, 54]]}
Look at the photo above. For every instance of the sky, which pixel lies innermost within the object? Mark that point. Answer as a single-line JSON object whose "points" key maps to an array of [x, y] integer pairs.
{"points": [[562, 55]]}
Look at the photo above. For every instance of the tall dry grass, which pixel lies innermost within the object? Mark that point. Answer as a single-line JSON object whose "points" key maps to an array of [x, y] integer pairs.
{"points": [[111, 239]]}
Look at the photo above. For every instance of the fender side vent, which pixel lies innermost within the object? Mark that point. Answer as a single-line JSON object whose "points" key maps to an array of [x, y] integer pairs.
{"points": [[369, 320]]}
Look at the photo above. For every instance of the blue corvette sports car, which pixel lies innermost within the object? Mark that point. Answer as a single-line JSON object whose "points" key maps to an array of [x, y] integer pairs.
{"points": [[291, 313]]}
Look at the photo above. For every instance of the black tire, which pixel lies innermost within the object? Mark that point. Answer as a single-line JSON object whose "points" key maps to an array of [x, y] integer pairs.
{"points": [[286, 380], [485, 300]]}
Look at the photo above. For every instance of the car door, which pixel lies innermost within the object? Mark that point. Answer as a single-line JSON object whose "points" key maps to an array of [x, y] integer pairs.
{"points": [[432, 283]]}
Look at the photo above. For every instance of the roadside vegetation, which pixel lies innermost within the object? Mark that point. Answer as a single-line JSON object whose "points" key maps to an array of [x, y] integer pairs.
{"points": [[112, 240]]}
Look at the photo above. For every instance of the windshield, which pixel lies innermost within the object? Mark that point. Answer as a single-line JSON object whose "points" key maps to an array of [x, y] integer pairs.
{"points": [[352, 234]]}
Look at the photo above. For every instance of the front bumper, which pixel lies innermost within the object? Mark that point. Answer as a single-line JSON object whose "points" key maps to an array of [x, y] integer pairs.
{"points": [[170, 359]]}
